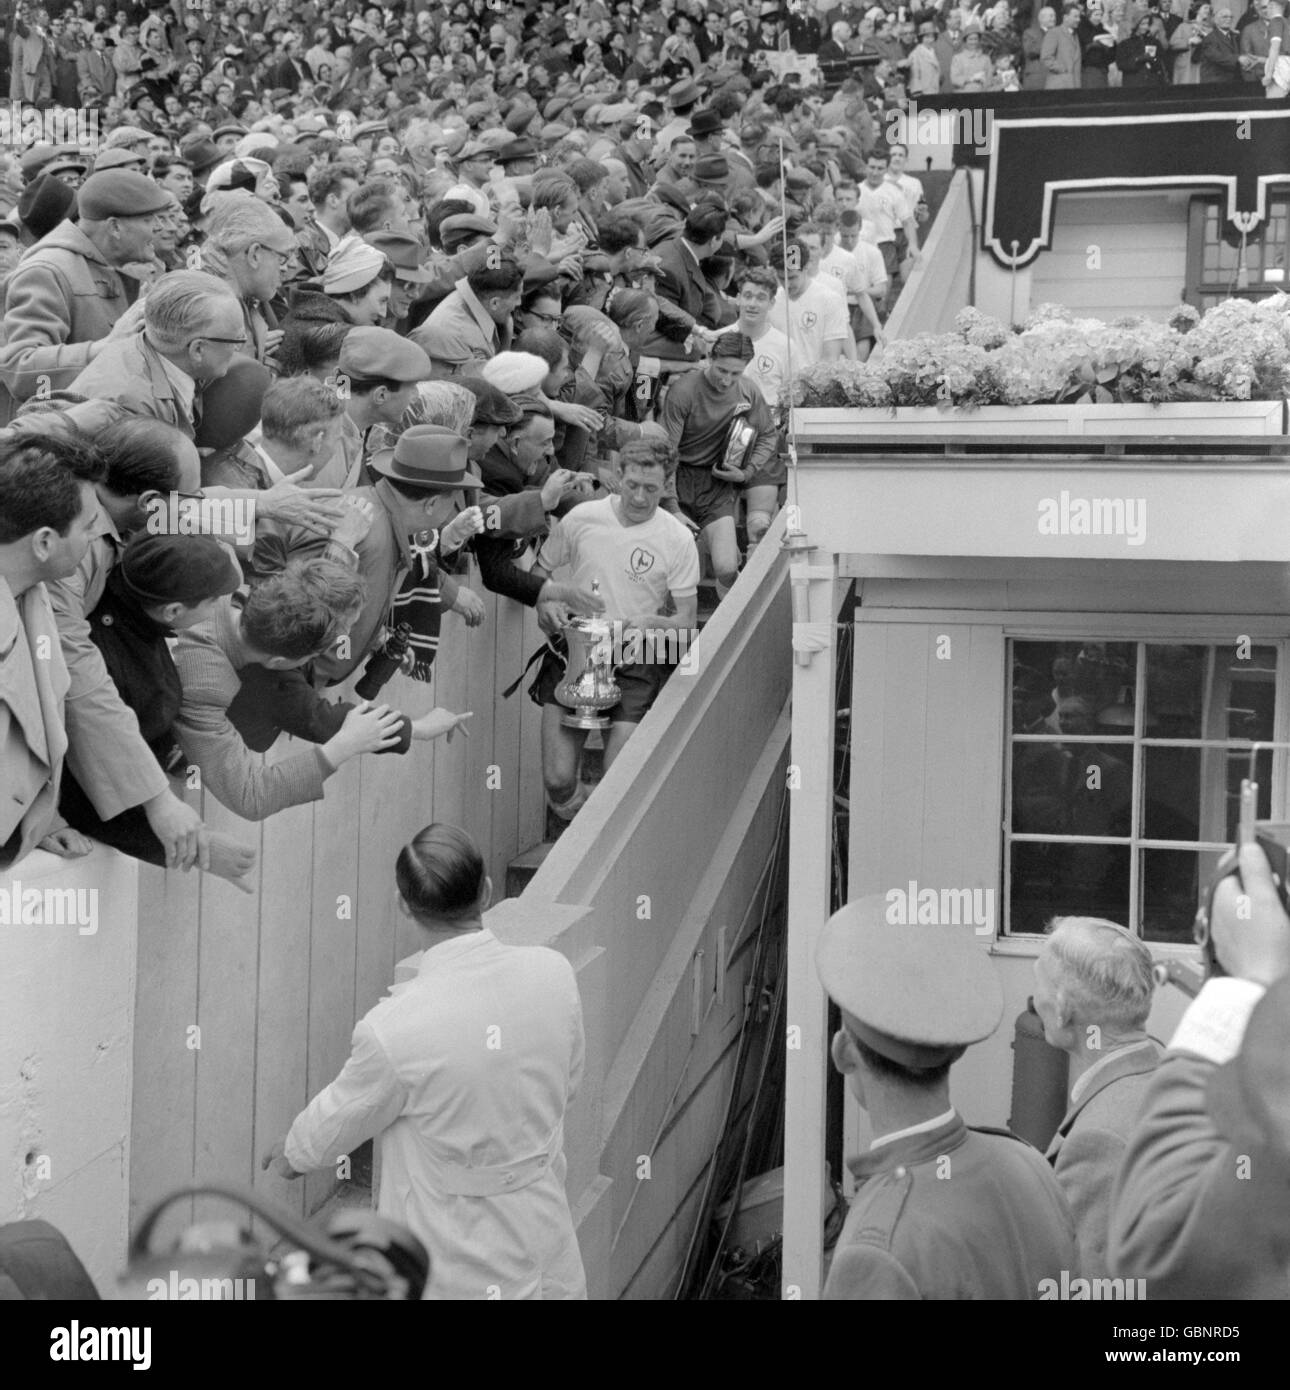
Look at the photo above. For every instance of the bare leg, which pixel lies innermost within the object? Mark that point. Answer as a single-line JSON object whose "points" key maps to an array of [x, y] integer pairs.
{"points": [[762, 500], [561, 751], [723, 546]]}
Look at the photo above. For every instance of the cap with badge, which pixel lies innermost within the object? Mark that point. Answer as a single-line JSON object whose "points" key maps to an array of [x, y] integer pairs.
{"points": [[916, 994], [351, 265], [492, 405], [372, 353], [156, 570], [120, 193], [426, 456], [404, 253]]}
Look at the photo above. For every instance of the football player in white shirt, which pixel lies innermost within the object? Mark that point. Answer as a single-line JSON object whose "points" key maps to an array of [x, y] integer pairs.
{"points": [[642, 557], [883, 208], [769, 369], [855, 277], [815, 315], [910, 187]]}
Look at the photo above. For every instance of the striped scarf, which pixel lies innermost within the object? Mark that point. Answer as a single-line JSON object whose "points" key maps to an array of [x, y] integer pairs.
{"points": [[418, 604]]}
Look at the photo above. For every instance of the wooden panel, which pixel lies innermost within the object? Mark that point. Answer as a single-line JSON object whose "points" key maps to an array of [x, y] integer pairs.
{"points": [[163, 1123], [281, 1077], [227, 1008], [1141, 261], [335, 912]]}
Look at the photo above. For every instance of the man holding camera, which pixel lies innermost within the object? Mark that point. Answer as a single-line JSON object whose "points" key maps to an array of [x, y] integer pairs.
{"points": [[1201, 1207]]}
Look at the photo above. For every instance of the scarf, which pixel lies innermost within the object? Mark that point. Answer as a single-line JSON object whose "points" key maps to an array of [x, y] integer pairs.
{"points": [[418, 604]]}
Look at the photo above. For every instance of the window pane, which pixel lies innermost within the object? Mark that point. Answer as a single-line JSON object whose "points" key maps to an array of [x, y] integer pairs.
{"points": [[1171, 885], [1171, 793], [1073, 687], [1072, 789], [1250, 688], [1176, 682], [1059, 880]]}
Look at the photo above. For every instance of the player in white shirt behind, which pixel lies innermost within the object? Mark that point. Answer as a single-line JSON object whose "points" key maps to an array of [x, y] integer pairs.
{"points": [[860, 277], [813, 315]]}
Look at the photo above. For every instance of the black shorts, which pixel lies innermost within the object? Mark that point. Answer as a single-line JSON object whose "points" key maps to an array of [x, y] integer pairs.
{"points": [[639, 683], [703, 498]]}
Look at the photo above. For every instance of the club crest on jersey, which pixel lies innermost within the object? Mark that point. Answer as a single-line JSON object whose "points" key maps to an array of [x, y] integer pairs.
{"points": [[642, 561]]}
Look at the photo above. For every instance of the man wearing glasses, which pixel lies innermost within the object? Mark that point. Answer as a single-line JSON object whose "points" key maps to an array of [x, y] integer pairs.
{"points": [[192, 331], [62, 301], [253, 251]]}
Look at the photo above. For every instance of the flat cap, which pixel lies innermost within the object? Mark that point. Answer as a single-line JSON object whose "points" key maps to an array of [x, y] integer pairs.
{"points": [[555, 132], [616, 112], [380, 352], [229, 128], [352, 265], [477, 111], [404, 253], [35, 160], [492, 405], [523, 148], [119, 193], [201, 154], [120, 159], [366, 128], [462, 225], [916, 993], [66, 159], [712, 168], [231, 403], [472, 149], [683, 93]]}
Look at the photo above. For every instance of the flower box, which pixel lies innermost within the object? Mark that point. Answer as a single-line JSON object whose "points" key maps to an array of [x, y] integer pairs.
{"points": [[1218, 491], [1183, 421]]}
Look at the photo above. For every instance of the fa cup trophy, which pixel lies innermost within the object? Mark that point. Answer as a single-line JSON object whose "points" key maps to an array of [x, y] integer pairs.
{"points": [[588, 686]]}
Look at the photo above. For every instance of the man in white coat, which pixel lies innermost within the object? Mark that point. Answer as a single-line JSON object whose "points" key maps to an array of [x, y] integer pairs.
{"points": [[465, 1074]]}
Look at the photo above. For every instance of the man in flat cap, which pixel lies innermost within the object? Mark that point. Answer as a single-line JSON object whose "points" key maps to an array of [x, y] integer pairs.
{"points": [[940, 1211], [62, 301], [404, 254]]}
